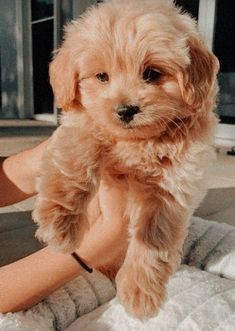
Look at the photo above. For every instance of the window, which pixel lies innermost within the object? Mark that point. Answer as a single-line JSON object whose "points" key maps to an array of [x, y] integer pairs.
{"points": [[217, 26], [190, 6], [41, 9], [224, 48], [42, 47]]}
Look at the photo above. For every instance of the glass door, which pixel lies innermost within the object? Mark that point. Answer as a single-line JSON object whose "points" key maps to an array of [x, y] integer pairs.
{"points": [[42, 27], [191, 7], [47, 19], [217, 26], [224, 48]]}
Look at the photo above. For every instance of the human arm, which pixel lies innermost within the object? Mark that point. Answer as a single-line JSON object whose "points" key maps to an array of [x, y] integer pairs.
{"points": [[29, 280], [18, 175]]}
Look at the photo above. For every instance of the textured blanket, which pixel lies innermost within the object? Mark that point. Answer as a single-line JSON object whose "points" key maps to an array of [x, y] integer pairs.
{"points": [[197, 300]]}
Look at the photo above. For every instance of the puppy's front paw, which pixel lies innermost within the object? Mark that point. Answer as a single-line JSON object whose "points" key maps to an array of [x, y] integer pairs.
{"points": [[139, 294], [57, 227]]}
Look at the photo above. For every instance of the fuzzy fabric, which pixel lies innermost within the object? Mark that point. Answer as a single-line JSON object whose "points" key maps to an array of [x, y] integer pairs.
{"points": [[197, 300], [60, 309]]}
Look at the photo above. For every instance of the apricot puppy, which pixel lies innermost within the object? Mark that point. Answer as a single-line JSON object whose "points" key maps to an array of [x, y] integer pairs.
{"points": [[138, 88]]}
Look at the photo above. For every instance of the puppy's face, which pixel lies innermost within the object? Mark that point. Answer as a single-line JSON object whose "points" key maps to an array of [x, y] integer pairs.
{"points": [[137, 69], [129, 89]]}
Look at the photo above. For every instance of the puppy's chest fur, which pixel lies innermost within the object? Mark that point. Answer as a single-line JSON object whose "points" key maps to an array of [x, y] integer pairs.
{"points": [[140, 160], [176, 168]]}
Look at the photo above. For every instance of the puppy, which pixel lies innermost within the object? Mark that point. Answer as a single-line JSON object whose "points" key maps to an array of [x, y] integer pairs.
{"points": [[138, 87]]}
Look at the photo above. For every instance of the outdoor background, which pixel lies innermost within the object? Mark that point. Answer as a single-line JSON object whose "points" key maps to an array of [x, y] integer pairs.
{"points": [[31, 29]]}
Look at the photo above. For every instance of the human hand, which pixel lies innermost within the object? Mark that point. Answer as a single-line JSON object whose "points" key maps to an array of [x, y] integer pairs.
{"points": [[106, 240], [18, 174]]}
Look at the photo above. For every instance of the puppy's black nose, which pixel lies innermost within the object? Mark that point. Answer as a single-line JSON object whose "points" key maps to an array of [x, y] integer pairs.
{"points": [[126, 112]]}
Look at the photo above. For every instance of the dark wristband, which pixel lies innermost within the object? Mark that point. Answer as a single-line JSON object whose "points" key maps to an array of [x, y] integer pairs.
{"points": [[81, 262]]}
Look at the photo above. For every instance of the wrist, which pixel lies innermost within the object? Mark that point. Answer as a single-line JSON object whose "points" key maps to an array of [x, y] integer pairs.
{"points": [[86, 257], [81, 262], [96, 253]]}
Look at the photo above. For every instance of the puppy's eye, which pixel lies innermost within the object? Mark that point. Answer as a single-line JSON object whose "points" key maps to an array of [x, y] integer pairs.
{"points": [[151, 75], [103, 77]]}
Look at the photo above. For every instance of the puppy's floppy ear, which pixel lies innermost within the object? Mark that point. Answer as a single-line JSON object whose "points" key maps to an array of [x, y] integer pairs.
{"points": [[63, 79], [198, 81]]}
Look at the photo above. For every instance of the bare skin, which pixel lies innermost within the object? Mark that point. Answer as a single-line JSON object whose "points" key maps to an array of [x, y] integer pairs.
{"points": [[26, 282]]}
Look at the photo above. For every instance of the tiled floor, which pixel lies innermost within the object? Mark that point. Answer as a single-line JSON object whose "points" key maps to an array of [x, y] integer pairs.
{"points": [[222, 174], [219, 204], [17, 135], [25, 205]]}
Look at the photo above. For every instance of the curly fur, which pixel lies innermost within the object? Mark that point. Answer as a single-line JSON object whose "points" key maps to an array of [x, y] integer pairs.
{"points": [[159, 159]]}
